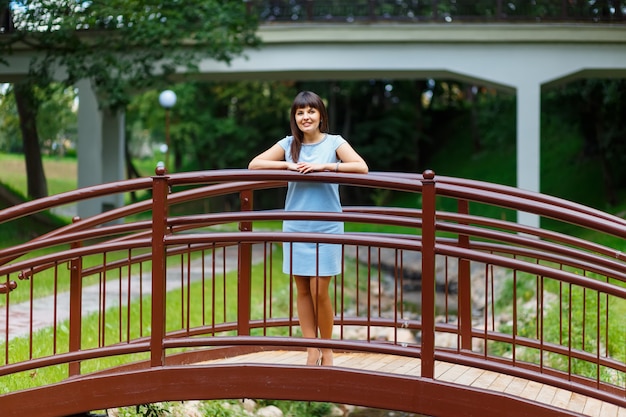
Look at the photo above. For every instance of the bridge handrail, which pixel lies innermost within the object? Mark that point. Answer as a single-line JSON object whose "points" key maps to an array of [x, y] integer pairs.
{"points": [[502, 249], [565, 254], [470, 190], [434, 11]]}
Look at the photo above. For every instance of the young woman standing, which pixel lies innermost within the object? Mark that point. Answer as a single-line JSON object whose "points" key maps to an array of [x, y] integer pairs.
{"points": [[310, 148]]}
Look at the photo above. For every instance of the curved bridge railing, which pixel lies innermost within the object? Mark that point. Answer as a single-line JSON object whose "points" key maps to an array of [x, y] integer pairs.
{"points": [[437, 11], [167, 283]]}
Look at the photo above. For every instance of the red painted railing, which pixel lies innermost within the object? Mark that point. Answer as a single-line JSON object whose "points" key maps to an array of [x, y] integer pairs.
{"points": [[145, 288]]}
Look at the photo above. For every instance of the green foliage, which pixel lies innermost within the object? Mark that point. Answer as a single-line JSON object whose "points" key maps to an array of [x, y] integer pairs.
{"points": [[573, 318], [496, 116], [56, 120], [300, 408], [384, 120], [217, 125], [595, 108], [146, 410], [119, 46], [10, 135], [222, 409], [125, 45]]}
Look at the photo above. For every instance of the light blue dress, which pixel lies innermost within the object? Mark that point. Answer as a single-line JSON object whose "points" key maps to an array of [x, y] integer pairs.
{"points": [[313, 196]]}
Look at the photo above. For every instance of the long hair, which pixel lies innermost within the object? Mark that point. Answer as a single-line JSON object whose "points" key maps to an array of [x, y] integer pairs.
{"points": [[305, 99]]}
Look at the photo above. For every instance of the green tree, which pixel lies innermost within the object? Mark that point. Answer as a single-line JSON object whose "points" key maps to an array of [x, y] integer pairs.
{"points": [[56, 119], [10, 139], [385, 120], [121, 46], [216, 125], [244, 119], [597, 107]]}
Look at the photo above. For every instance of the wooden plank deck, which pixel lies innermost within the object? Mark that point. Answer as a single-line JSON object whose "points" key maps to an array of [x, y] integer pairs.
{"points": [[453, 373]]}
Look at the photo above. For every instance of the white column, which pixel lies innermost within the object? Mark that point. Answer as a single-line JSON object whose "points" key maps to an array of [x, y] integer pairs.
{"points": [[113, 158], [89, 146], [100, 150], [528, 144]]}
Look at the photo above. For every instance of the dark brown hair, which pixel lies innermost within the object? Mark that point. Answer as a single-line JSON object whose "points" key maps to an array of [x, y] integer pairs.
{"points": [[305, 99]]}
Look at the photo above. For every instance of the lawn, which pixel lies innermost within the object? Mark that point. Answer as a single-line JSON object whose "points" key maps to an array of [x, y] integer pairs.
{"points": [[61, 173]]}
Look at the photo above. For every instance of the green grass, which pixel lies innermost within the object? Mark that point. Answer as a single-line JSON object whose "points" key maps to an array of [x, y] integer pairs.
{"points": [[564, 324], [61, 176], [60, 173]]}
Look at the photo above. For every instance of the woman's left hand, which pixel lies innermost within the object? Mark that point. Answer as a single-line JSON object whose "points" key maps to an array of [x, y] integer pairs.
{"points": [[305, 167]]}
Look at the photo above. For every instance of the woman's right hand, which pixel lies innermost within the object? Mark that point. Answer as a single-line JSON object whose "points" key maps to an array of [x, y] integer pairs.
{"points": [[293, 166]]}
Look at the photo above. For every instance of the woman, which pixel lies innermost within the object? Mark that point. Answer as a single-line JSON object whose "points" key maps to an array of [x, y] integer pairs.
{"points": [[311, 149]]}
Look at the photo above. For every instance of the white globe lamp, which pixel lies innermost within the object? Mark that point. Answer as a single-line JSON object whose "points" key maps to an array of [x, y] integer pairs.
{"points": [[167, 100]]}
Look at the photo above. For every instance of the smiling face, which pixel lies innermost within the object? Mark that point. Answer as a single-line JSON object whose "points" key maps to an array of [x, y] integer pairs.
{"points": [[308, 120]]}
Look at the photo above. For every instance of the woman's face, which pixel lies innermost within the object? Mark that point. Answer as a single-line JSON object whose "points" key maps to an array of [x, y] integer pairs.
{"points": [[308, 119]]}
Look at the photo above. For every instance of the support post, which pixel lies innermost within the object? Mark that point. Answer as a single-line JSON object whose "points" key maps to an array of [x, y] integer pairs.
{"points": [[528, 144], [101, 138], [428, 274], [464, 288], [76, 303], [160, 188], [244, 270]]}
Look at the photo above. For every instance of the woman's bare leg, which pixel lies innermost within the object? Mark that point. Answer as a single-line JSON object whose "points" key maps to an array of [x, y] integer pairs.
{"points": [[322, 305], [306, 315]]}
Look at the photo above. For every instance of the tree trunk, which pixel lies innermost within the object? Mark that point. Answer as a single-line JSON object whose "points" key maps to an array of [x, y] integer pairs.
{"points": [[27, 107]]}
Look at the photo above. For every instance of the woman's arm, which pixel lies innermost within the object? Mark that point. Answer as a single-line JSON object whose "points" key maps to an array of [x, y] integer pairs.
{"points": [[351, 161], [273, 158]]}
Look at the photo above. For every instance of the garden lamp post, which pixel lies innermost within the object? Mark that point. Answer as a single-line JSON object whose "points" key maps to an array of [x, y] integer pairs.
{"points": [[167, 99]]}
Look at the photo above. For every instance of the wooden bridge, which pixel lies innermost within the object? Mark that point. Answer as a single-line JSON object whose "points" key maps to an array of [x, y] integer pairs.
{"points": [[439, 311]]}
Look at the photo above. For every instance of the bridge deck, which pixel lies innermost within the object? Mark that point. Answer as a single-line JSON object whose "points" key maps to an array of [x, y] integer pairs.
{"points": [[453, 373]]}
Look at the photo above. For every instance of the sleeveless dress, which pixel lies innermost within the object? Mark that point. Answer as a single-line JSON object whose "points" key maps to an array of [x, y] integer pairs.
{"points": [[302, 258]]}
